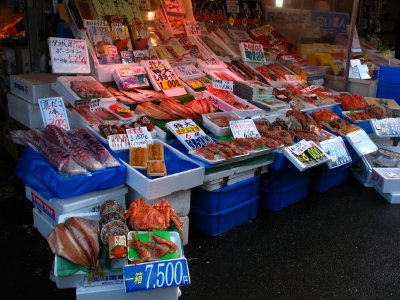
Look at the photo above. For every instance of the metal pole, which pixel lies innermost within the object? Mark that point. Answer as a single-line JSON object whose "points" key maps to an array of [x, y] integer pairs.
{"points": [[350, 42]]}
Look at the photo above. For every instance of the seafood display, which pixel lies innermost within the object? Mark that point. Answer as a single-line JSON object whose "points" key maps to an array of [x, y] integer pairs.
{"points": [[222, 119], [229, 98], [275, 131], [353, 102], [87, 89], [143, 216], [77, 241], [273, 72], [106, 129], [112, 222], [201, 106]]}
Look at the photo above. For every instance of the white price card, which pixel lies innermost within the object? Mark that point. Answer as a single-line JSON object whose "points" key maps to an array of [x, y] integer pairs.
{"points": [[116, 27], [188, 70], [88, 23], [69, 56], [300, 147], [118, 142], [96, 105], [361, 142], [337, 151], [53, 112], [189, 133], [307, 154], [139, 137], [244, 129], [225, 85], [162, 74], [194, 28], [389, 127], [252, 52]]}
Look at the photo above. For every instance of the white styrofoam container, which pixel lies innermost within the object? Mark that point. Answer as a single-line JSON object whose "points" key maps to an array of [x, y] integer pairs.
{"points": [[362, 176], [180, 200], [24, 112], [393, 198], [42, 222], [161, 186], [214, 128], [90, 202], [386, 180], [221, 104], [33, 86], [80, 279], [117, 291], [185, 228], [63, 87]]}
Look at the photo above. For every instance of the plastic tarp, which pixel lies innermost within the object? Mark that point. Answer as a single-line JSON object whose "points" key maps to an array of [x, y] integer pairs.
{"points": [[35, 171]]}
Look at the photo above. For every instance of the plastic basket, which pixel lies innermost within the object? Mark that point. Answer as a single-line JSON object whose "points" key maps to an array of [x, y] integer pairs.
{"points": [[323, 178], [276, 199], [225, 198], [216, 223], [278, 180]]}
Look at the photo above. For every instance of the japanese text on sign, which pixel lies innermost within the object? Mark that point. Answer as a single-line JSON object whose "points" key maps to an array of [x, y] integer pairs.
{"points": [[337, 151], [386, 127], [244, 129], [188, 70], [139, 137], [189, 133], [69, 55], [96, 105], [165, 77], [225, 85], [252, 52], [195, 28], [53, 112], [155, 275]]}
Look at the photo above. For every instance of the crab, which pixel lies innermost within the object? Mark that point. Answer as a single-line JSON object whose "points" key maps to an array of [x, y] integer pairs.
{"points": [[143, 216]]}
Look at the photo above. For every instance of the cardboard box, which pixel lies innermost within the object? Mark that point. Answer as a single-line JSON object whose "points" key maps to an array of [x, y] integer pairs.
{"points": [[33, 86], [24, 112]]}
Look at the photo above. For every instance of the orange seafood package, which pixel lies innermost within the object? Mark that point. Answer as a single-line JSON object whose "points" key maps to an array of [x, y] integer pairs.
{"points": [[117, 247]]}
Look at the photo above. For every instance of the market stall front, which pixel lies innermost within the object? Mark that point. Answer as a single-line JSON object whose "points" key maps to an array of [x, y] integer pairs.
{"points": [[157, 115]]}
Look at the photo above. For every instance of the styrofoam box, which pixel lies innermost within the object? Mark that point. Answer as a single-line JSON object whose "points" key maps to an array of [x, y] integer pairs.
{"points": [[214, 128], [80, 279], [117, 291], [42, 222], [24, 112], [180, 200], [33, 86], [226, 178], [163, 186], [386, 180], [393, 198], [185, 228], [63, 87], [90, 202]]}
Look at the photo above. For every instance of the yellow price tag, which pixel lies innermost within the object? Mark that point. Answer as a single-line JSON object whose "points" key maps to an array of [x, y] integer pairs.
{"points": [[196, 84], [231, 21], [169, 84]]}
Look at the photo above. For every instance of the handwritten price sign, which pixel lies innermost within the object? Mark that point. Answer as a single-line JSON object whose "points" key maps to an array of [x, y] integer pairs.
{"points": [[252, 52], [225, 85], [139, 137], [69, 55], [53, 112], [244, 129], [96, 105]]}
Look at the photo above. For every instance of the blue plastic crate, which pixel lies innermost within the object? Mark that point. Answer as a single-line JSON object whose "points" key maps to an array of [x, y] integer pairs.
{"points": [[323, 178], [227, 197], [281, 163], [283, 179], [216, 223], [275, 199]]}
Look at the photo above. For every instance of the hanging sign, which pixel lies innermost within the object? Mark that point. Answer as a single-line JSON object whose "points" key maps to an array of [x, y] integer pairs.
{"points": [[225, 85], [361, 142], [53, 112], [337, 151], [189, 133], [389, 127], [139, 137], [118, 141], [252, 52], [244, 129], [68, 55], [155, 275]]}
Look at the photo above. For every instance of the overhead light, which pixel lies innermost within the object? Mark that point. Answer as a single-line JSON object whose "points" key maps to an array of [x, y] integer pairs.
{"points": [[279, 3], [151, 15]]}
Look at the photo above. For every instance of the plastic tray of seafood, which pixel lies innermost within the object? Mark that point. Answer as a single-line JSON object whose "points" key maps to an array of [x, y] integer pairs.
{"points": [[235, 104], [64, 85], [144, 236], [218, 123], [357, 116]]}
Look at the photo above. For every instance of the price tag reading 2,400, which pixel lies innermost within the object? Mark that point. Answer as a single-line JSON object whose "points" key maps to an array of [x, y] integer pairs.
{"points": [[154, 275], [189, 133]]}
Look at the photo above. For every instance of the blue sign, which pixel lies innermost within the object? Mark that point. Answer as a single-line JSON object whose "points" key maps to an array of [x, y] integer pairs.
{"points": [[155, 275], [331, 20]]}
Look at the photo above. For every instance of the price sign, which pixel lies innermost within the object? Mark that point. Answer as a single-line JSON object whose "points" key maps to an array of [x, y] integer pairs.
{"points": [[252, 52], [53, 112], [308, 153], [96, 105], [140, 55], [169, 84], [189, 70], [361, 142], [194, 28], [244, 129], [118, 141], [225, 85], [291, 78], [337, 151], [389, 127], [154, 275], [189, 133], [88, 23], [212, 63], [164, 76], [139, 137], [116, 27], [68, 55]]}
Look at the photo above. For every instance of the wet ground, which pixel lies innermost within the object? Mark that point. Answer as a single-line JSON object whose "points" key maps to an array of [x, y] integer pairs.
{"points": [[343, 243]]}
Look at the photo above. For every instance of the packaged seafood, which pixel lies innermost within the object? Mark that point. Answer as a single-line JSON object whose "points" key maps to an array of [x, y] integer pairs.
{"points": [[138, 157], [156, 168], [128, 78], [105, 115], [155, 152], [121, 111], [218, 123]]}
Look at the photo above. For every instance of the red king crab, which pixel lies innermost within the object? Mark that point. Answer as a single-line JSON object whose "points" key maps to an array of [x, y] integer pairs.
{"points": [[143, 216]]}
